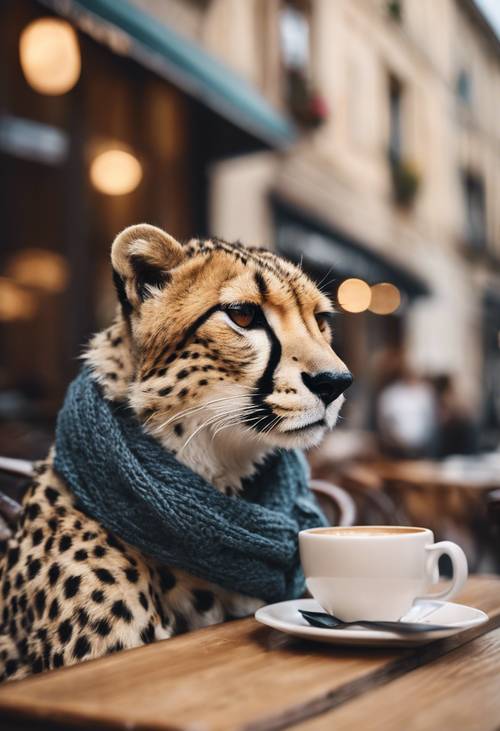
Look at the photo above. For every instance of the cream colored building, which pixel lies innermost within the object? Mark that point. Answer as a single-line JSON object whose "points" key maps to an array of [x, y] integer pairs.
{"points": [[419, 77]]}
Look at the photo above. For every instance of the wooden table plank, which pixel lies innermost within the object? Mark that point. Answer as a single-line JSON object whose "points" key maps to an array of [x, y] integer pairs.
{"points": [[235, 676], [457, 692]]}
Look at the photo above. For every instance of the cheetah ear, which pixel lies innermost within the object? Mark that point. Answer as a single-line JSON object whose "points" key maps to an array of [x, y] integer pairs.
{"points": [[142, 257]]}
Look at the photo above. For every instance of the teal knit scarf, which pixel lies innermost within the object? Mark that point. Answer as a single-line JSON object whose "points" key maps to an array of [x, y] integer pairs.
{"points": [[137, 489]]}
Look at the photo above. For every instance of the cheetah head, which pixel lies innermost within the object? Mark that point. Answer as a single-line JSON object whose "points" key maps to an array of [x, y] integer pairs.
{"points": [[228, 341]]}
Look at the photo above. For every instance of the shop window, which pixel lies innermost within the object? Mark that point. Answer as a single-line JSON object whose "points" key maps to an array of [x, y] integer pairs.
{"points": [[75, 168], [475, 210]]}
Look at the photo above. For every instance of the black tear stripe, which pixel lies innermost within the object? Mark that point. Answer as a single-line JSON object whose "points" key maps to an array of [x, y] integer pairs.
{"points": [[265, 384], [196, 324]]}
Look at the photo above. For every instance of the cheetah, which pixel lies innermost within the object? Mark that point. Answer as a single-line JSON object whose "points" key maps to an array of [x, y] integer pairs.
{"points": [[224, 354]]}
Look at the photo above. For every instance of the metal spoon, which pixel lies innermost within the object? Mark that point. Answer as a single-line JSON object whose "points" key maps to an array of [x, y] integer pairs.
{"points": [[327, 621]]}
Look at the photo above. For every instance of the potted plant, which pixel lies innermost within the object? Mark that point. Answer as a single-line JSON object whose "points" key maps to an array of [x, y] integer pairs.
{"points": [[405, 181], [306, 104]]}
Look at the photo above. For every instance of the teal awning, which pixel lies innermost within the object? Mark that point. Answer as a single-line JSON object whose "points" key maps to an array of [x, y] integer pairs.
{"points": [[130, 31]]}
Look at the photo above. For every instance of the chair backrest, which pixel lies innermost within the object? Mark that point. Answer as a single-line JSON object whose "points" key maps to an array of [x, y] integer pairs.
{"points": [[337, 504], [21, 467]]}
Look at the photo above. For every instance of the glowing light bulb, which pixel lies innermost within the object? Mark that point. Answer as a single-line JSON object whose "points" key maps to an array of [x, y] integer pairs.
{"points": [[115, 172], [50, 56], [354, 295], [39, 269], [386, 298]]}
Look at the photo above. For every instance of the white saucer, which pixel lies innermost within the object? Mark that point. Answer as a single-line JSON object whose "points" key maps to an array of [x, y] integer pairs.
{"points": [[286, 618]]}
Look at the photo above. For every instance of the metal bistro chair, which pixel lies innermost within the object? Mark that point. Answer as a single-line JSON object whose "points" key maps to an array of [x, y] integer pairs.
{"points": [[10, 508], [337, 504]]}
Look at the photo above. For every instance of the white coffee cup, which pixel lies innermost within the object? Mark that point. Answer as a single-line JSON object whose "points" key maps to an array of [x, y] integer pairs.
{"points": [[375, 572]]}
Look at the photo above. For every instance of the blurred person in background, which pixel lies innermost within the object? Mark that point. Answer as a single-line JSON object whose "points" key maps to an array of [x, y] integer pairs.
{"points": [[407, 417]]}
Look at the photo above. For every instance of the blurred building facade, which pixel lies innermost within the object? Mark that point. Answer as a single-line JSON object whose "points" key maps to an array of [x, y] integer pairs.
{"points": [[396, 172], [107, 118], [391, 178]]}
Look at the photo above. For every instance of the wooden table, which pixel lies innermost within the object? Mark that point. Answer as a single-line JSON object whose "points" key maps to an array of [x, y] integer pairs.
{"points": [[242, 675]]}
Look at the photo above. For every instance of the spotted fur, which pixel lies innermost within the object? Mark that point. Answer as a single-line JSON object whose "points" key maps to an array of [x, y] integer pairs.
{"points": [[218, 395]]}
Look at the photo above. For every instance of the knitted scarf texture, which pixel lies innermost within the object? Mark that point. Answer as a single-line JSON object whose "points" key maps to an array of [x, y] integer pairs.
{"points": [[136, 488]]}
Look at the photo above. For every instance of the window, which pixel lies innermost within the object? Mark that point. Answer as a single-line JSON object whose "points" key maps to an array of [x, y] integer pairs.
{"points": [[395, 10], [404, 174], [464, 86], [395, 120], [475, 210], [302, 99], [295, 36]]}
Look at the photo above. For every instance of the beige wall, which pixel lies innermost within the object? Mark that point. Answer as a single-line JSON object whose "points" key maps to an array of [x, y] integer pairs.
{"points": [[185, 16], [238, 199]]}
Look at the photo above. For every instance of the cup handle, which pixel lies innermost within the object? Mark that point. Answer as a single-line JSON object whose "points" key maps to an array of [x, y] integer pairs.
{"points": [[458, 562]]}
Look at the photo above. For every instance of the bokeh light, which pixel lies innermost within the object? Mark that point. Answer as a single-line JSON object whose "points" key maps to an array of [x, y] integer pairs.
{"points": [[386, 298], [40, 269], [115, 172], [354, 295], [15, 303], [50, 56]]}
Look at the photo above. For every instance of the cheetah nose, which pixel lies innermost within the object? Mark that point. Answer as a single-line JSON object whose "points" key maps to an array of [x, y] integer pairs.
{"points": [[328, 385]]}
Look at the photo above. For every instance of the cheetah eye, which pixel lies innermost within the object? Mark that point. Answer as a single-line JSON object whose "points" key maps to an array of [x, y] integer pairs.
{"points": [[243, 315], [324, 319]]}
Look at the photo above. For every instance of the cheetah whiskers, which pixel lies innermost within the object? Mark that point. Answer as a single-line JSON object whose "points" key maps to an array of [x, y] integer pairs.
{"points": [[219, 418], [238, 420], [252, 431], [324, 278], [254, 416], [277, 420], [193, 409], [211, 420]]}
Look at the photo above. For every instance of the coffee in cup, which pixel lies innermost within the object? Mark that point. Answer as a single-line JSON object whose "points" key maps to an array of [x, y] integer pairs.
{"points": [[375, 572]]}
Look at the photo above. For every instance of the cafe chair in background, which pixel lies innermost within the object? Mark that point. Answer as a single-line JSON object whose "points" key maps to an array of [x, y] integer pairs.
{"points": [[10, 507], [19, 467], [337, 504]]}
